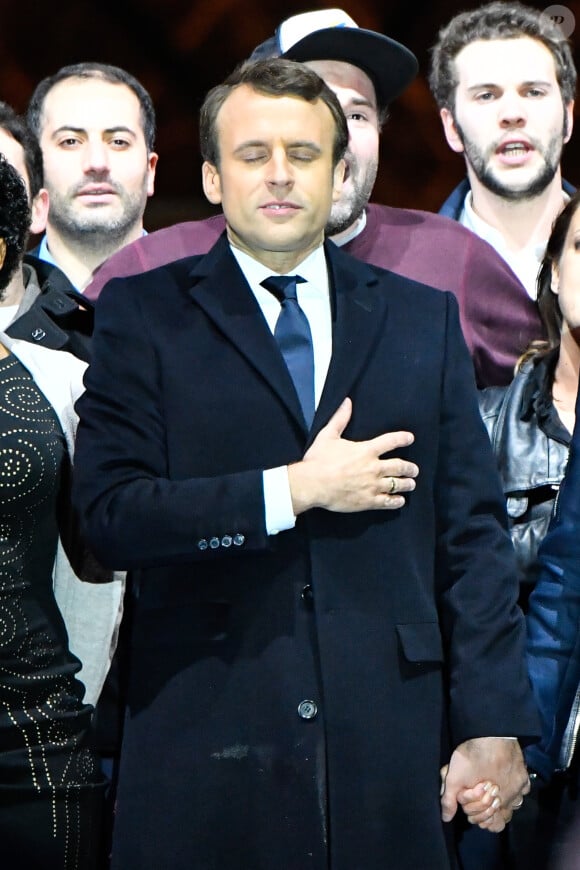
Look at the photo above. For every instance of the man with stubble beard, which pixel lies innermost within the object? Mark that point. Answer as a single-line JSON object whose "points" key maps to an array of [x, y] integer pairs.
{"points": [[96, 127], [368, 70], [504, 79]]}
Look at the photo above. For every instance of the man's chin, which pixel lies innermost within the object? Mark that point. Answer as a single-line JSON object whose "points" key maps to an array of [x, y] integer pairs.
{"points": [[515, 192], [98, 217], [93, 228], [103, 227], [518, 186]]}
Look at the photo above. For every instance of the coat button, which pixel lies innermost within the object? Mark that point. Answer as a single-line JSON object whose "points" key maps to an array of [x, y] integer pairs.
{"points": [[227, 541], [214, 543], [307, 595], [307, 709], [239, 540], [202, 544]]}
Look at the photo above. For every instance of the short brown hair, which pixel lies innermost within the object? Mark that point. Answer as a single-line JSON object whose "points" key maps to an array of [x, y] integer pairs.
{"points": [[497, 20], [275, 77], [89, 70]]}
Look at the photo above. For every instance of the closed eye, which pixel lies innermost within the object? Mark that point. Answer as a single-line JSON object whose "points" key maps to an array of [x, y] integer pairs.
{"points": [[303, 156], [253, 158]]}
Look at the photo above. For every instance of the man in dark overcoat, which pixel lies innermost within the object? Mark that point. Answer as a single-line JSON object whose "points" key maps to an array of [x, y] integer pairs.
{"points": [[324, 607]]}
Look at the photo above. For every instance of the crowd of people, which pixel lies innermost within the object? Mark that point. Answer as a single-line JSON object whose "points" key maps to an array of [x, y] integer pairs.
{"points": [[290, 496]]}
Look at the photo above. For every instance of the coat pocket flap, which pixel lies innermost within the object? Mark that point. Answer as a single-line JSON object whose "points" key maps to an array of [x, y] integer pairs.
{"points": [[421, 641]]}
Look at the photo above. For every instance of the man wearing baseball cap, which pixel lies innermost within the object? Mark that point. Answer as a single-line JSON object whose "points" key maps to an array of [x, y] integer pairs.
{"points": [[367, 70]]}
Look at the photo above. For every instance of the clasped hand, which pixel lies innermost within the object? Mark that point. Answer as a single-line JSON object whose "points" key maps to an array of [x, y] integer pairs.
{"points": [[487, 777]]}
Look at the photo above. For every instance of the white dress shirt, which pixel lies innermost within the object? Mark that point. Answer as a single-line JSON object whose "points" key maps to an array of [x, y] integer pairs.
{"points": [[525, 263], [314, 299]]}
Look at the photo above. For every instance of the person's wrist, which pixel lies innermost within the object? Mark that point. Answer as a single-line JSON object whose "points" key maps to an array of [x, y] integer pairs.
{"points": [[301, 487]]}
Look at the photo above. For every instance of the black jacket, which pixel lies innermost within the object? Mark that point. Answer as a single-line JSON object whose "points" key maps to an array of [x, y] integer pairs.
{"points": [[57, 315], [368, 617], [531, 447]]}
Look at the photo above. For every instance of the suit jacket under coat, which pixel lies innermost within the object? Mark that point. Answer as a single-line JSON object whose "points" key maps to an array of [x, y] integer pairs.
{"points": [[401, 625]]}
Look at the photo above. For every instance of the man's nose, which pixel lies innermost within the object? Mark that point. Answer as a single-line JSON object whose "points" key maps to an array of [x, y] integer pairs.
{"points": [[96, 156], [279, 171], [512, 111]]}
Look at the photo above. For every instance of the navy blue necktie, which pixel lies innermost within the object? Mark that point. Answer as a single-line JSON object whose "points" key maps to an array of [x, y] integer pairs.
{"points": [[294, 339]]}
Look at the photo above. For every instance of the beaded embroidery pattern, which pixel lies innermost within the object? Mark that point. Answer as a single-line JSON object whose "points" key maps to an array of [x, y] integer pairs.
{"points": [[42, 719]]}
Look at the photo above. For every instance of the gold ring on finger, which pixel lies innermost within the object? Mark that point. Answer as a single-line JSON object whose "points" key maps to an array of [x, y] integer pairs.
{"points": [[392, 486]]}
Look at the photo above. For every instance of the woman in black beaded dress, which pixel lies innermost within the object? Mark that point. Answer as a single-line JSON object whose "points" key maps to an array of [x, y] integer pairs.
{"points": [[50, 783]]}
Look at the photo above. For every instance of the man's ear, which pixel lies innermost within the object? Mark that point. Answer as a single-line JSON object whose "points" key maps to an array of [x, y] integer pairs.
{"points": [[151, 167], [569, 112], [39, 209], [450, 130], [2, 252], [555, 282], [338, 179], [210, 179]]}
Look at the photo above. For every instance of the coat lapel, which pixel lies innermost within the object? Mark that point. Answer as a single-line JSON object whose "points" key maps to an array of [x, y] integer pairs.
{"points": [[220, 289], [359, 311], [359, 317]]}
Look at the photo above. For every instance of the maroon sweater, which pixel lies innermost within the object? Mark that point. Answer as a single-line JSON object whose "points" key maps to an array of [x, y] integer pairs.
{"points": [[498, 317]]}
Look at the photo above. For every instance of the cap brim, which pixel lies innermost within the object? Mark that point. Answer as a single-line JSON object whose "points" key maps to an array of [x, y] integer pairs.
{"points": [[390, 65]]}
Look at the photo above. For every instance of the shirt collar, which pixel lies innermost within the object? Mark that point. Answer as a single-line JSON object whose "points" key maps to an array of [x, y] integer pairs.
{"points": [[525, 263], [359, 226], [313, 269], [470, 219], [44, 253]]}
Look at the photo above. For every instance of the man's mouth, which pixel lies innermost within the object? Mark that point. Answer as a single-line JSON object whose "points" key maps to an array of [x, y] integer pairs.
{"points": [[515, 149], [96, 190], [280, 207]]}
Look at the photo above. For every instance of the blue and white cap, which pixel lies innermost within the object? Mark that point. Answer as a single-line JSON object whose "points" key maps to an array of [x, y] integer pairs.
{"points": [[331, 34]]}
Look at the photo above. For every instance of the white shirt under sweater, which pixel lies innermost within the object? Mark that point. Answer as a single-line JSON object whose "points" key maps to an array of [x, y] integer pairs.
{"points": [[525, 264]]}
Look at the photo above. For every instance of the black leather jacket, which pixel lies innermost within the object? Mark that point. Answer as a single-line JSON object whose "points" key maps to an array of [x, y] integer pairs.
{"points": [[531, 447]]}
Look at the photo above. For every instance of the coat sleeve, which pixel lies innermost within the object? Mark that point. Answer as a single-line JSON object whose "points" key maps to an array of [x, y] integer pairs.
{"points": [[483, 628], [554, 618], [134, 516]]}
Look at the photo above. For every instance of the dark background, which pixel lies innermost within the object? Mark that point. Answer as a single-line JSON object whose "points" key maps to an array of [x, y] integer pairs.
{"points": [[179, 49]]}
